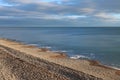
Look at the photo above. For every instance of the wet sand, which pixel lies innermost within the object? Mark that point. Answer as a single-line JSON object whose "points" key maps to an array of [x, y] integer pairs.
{"points": [[25, 62]]}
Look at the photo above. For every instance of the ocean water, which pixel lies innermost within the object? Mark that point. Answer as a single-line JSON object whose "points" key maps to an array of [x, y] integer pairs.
{"points": [[102, 44]]}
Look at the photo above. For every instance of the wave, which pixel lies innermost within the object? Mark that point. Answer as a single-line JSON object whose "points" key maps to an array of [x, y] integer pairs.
{"points": [[79, 57], [48, 47], [62, 51], [115, 67], [33, 44]]}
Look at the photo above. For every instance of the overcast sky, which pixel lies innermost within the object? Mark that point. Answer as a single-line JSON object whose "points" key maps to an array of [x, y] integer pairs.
{"points": [[41, 13]]}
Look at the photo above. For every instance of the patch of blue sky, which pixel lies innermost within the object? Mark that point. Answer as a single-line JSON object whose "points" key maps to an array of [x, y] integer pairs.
{"points": [[116, 16], [61, 2], [56, 1], [52, 0], [4, 4]]}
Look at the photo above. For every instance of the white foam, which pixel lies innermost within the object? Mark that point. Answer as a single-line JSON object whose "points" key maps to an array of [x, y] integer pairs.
{"points": [[48, 47], [32, 44], [79, 56], [115, 67], [62, 51]]}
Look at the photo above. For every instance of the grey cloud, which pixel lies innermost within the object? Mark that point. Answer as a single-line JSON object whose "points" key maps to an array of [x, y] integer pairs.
{"points": [[108, 5], [38, 11]]}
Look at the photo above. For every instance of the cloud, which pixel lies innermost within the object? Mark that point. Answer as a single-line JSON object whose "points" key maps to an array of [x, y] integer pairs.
{"points": [[85, 12], [62, 17], [108, 17], [108, 5]]}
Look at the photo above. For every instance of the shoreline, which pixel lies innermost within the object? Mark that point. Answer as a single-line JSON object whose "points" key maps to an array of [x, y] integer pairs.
{"points": [[62, 53], [53, 56]]}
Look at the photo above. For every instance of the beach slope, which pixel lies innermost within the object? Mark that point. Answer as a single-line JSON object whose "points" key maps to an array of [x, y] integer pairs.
{"points": [[19, 61]]}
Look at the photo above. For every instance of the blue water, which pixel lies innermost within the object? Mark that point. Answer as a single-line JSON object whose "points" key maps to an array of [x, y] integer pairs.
{"points": [[102, 44]]}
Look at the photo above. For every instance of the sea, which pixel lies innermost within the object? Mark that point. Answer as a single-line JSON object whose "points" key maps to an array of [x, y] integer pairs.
{"points": [[96, 43]]}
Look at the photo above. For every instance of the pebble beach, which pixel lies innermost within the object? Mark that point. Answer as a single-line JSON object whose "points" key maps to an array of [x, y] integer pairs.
{"points": [[20, 61]]}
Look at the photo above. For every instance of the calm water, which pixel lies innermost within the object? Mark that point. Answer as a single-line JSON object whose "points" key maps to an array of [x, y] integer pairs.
{"points": [[101, 44]]}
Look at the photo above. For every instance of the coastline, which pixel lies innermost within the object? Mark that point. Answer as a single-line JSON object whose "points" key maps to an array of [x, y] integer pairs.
{"points": [[90, 67]]}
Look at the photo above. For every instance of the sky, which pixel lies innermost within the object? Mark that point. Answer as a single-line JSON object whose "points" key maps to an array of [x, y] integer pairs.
{"points": [[62, 13]]}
